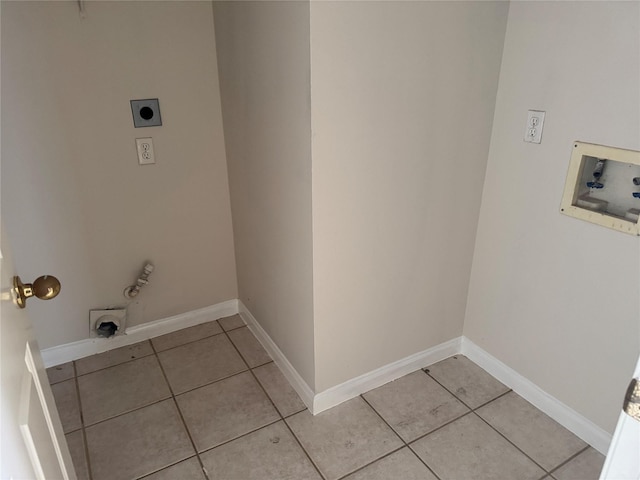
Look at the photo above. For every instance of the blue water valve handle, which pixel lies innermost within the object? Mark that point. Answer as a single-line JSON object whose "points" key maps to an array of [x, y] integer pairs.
{"points": [[595, 185], [636, 194]]}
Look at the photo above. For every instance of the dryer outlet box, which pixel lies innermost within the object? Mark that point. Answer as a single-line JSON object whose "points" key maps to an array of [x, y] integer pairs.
{"points": [[146, 113], [112, 321]]}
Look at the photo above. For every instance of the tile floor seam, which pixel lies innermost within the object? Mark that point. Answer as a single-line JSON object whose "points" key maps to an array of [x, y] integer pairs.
{"points": [[374, 461], [84, 433], [210, 383], [208, 449], [294, 413], [128, 411], [428, 373], [282, 418], [410, 444], [164, 468], [240, 353], [184, 423], [182, 344], [267, 393], [234, 328], [302, 447], [473, 410], [439, 428], [569, 459], [423, 462], [114, 365], [406, 444], [547, 472]]}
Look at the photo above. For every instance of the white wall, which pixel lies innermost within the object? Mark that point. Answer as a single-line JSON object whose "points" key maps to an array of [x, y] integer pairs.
{"points": [[553, 297], [74, 199], [403, 95], [263, 53]]}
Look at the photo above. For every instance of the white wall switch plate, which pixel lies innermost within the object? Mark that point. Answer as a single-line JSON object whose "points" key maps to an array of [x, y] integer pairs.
{"points": [[535, 121], [145, 151]]}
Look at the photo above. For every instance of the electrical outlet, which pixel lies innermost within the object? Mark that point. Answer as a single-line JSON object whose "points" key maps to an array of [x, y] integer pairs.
{"points": [[145, 151], [535, 122]]}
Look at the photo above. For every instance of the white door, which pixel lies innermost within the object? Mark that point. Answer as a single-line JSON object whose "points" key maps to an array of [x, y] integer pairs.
{"points": [[623, 458], [32, 442]]}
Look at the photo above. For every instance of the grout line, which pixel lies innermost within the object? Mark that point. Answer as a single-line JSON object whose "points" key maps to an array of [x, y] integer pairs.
{"points": [[190, 341], [208, 383], [154, 351], [518, 448], [240, 353], [82, 425], [164, 468], [406, 444], [208, 449], [295, 437], [440, 427], [115, 364], [175, 402], [383, 419], [168, 397], [568, 460], [282, 418], [374, 461], [474, 411]]}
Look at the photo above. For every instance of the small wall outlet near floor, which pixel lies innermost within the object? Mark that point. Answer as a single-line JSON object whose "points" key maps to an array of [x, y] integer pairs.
{"points": [[107, 323]]}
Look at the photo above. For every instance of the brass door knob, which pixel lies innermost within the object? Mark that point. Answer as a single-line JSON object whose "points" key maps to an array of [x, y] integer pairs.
{"points": [[45, 287]]}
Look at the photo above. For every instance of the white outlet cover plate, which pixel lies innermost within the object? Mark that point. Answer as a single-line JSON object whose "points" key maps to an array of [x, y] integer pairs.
{"points": [[95, 315], [144, 146], [535, 122]]}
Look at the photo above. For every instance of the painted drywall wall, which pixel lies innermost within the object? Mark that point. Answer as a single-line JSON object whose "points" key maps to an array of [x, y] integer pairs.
{"points": [[74, 199], [402, 105], [263, 54], [553, 297]]}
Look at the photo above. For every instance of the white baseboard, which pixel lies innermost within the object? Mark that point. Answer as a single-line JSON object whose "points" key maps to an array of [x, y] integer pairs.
{"points": [[561, 413], [297, 382], [376, 378], [90, 346], [318, 402]]}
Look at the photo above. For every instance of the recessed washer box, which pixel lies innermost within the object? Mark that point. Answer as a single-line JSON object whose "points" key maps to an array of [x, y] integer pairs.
{"points": [[603, 187]]}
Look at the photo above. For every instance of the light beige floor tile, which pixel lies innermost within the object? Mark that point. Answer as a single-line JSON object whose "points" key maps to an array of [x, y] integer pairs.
{"points": [[402, 464], [189, 469], [536, 434], [224, 410], [586, 466], [61, 372], [467, 381], [198, 363], [113, 357], [469, 449], [279, 389], [75, 442], [66, 396], [229, 323], [186, 335], [270, 453], [122, 388], [415, 405], [344, 438], [249, 347], [138, 443]]}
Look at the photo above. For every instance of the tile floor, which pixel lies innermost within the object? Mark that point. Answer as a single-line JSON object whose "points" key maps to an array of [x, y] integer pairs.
{"points": [[207, 402]]}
